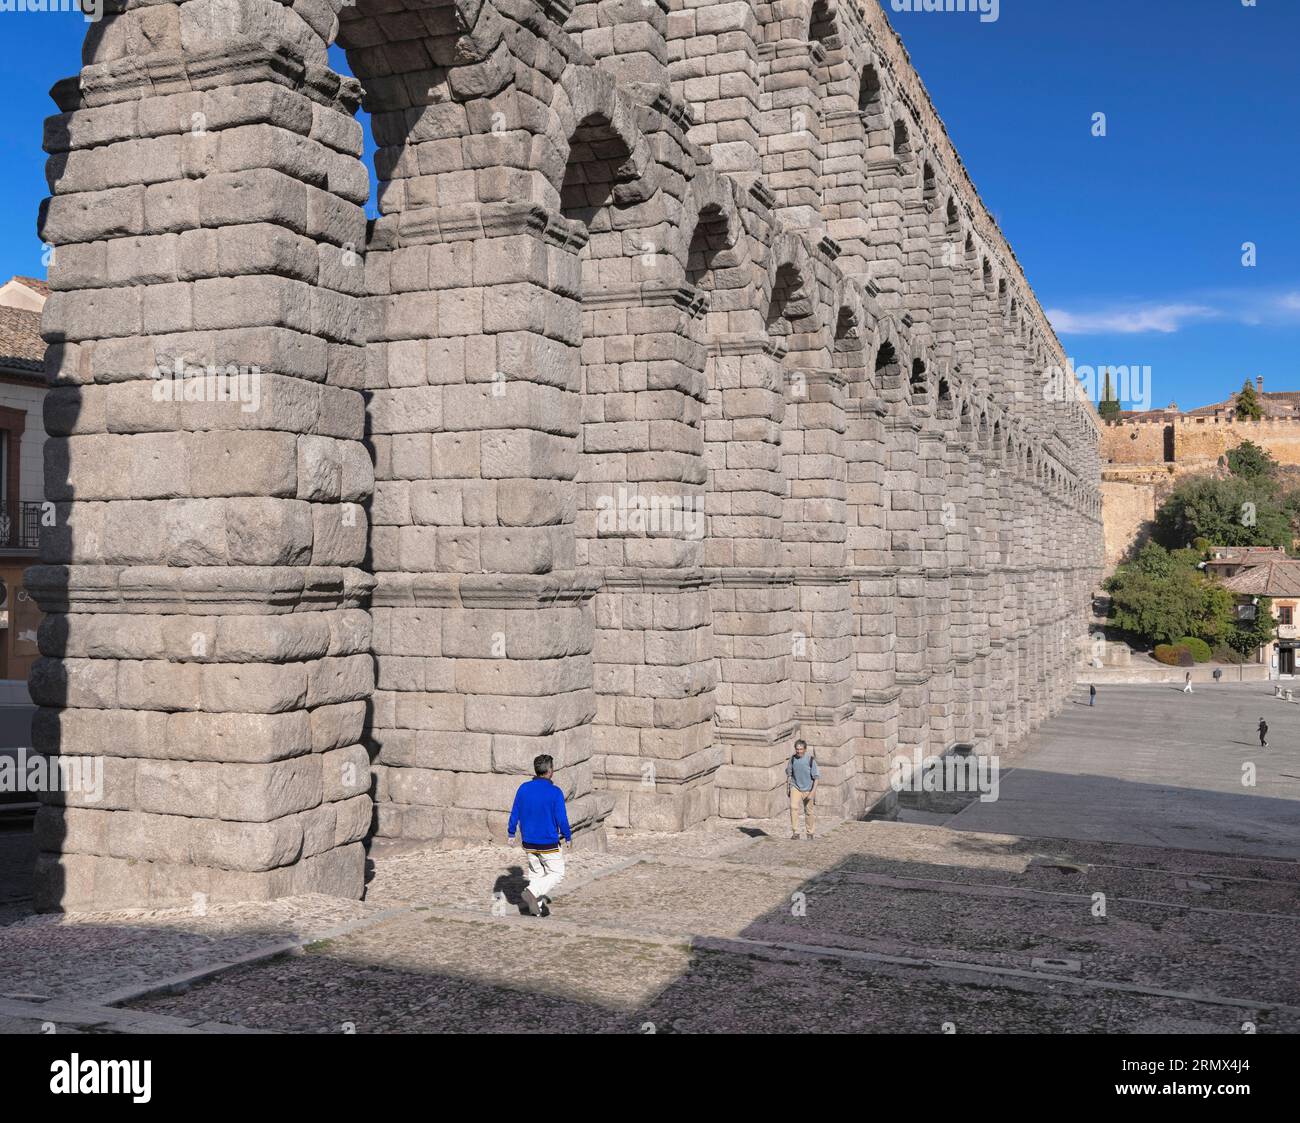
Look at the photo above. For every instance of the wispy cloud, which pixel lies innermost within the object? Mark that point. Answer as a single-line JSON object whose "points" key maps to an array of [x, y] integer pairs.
{"points": [[1137, 318], [1163, 318]]}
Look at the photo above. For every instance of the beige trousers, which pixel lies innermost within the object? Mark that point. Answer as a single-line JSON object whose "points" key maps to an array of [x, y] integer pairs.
{"points": [[805, 800]]}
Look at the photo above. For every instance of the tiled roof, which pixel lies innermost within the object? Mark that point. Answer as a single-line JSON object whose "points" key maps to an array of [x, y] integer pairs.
{"points": [[1255, 554], [1275, 403], [35, 285], [1271, 579], [21, 345]]}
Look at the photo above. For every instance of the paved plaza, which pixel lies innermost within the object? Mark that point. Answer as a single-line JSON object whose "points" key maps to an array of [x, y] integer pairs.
{"points": [[1152, 765], [1121, 884]]}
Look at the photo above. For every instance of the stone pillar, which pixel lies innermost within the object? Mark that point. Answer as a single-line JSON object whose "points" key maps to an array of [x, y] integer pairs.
{"points": [[983, 544], [956, 523], [814, 532], [790, 145], [751, 597], [886, 182], [868, 544], [714, 68], [484, 624], [627, 38], [641, 526], [204, 637], [938, 505], [904, 518]]}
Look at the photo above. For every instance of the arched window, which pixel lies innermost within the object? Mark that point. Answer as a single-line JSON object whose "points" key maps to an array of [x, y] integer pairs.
{"points": [[869, 92], [902, 143]]}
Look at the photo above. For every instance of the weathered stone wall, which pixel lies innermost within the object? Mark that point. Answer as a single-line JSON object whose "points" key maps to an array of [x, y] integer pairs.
{"points": [[1142, 460], [1136, 442], [684, 398], [1197, 443], [1205, 440], [1129, 498]]}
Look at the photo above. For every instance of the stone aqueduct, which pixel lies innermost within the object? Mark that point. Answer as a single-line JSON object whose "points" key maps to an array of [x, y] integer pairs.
{"points": [[718, 256]]}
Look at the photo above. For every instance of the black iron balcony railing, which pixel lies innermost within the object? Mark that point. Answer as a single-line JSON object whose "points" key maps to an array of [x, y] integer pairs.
{"points": [[20, 527]]}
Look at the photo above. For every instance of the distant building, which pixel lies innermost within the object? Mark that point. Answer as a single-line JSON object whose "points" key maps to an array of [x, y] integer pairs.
{"points": [[1279, 580], [22, 487], [1144, 453], [1228, 561]]}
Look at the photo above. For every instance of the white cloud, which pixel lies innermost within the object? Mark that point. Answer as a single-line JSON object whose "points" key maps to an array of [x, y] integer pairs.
{"points": [[1255, 309], [1129, 320]]}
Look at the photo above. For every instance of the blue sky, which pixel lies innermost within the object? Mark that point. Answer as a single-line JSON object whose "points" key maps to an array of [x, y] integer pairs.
{"points": [[1132, 241]]}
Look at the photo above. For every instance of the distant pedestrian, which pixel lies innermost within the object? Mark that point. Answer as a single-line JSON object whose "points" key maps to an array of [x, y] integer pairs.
{"points": [[1187, 683], [1092, 695], [1263, 734], [801, 776], [539, 814]]}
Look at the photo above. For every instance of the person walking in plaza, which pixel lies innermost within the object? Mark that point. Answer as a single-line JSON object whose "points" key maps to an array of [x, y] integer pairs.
{"points": [[1092, 695], [1187, 683], [1218, 675], [801, 776], [1263, 734], [540, 815]]}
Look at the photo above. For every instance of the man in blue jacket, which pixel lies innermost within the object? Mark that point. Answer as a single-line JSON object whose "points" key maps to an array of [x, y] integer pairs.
{"points": [[539, 814]]}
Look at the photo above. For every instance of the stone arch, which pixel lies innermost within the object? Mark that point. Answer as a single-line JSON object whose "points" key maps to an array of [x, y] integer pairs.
{"points": [[929, 183], [823, 25], [710, 203], [598, 123], [946, 403], [902, 145], [793, 296], [919, 386], [870, 95]]}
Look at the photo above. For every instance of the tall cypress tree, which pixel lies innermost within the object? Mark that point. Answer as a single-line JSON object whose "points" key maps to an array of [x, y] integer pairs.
{"points": [[1108, 409], [1249, 407]]}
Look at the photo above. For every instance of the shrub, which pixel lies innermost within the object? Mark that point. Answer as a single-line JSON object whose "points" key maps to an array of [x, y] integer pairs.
{"points": [[1225, 654], [1174, 655], [1198, 647]]}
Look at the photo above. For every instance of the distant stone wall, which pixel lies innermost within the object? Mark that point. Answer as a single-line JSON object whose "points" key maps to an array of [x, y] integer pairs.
{"points": [[1196, 442], [1202, 441], [1136, 475], [1133, 442], [1130, 498]]}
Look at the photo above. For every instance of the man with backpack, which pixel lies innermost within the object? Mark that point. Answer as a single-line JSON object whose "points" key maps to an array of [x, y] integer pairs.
{"points": [[801, 778]]}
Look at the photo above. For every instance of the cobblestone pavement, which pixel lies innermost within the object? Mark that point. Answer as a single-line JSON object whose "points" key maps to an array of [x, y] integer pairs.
{"points": [[886, 927], [879, 927]]}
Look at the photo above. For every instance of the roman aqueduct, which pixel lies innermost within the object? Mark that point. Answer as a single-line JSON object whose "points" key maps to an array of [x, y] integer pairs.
{"points": [[682, 398]]}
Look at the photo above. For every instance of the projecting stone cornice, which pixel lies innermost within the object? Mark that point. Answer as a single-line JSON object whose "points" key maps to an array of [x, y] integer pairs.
{"points": [[454, 223], [647, 294], [483, 590], [236, 62], [745, 344], [792, 48], [196, 590]]}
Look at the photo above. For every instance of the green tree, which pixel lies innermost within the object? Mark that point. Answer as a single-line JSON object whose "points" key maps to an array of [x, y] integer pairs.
{"points": [[1108, 408], [1236, 511], [1250, 635], [1162, 595], [1250, 462], [1249, 407]]}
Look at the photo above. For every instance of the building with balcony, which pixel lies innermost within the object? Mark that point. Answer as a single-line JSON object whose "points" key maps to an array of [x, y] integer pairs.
{"points": [[1278, 580], [22, 441]]}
